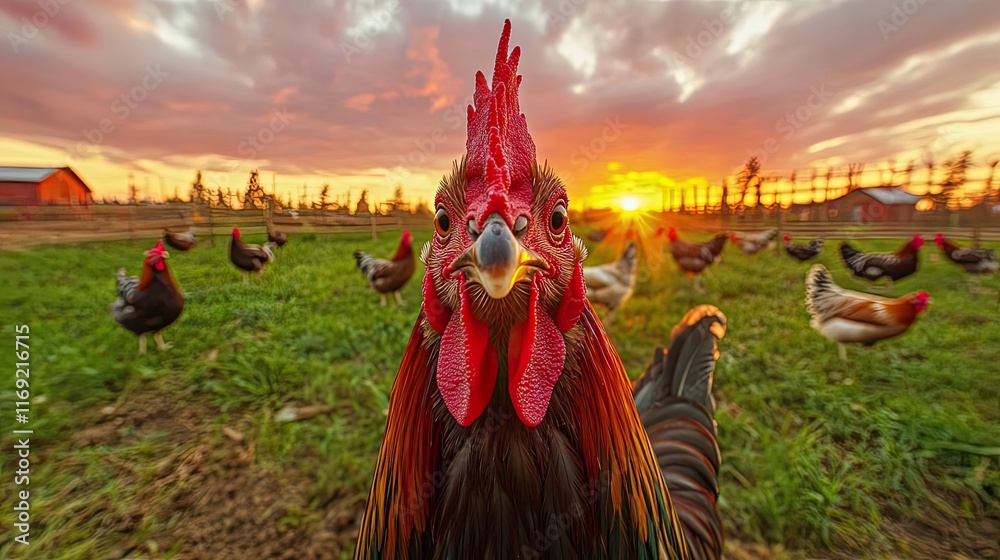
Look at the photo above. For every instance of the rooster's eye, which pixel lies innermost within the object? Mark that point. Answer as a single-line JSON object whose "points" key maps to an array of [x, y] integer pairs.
{"points": [[559, 220], [441, 222]]}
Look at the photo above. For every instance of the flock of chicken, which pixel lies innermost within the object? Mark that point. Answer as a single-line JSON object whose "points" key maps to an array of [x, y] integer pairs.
{"points": [[149, 303], [844, 316], [152, 301]]}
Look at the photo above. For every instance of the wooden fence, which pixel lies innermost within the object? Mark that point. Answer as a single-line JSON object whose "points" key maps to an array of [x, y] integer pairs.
{"points": [[27, 227]]}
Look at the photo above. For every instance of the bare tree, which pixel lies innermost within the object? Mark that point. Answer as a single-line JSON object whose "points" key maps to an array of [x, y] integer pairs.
{"points": [[363, 207], [324, 197], [749, 175], [854, 171], [199, 194], [929, 165], [992, 164], [254, 197], [422, 208], [951, 188], [397, 202], [724, 203], [812, 184]]}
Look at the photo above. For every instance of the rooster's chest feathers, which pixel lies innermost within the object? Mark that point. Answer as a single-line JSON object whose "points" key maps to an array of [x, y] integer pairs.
{"points": [[507, 487]]}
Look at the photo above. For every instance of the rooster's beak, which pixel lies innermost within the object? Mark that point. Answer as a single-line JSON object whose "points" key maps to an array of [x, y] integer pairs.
{"points": [[497, 260]]}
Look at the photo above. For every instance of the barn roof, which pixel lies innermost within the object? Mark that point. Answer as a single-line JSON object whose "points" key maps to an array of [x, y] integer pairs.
{"points": [[10, 174], [25, 174], [891, 195]]}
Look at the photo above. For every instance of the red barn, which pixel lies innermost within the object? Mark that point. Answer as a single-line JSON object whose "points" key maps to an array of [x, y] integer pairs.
{"points": [[866, 205], [37, 186]]}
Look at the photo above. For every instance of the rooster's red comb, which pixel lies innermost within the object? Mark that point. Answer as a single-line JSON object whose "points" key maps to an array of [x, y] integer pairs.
{"points": [[499, 150], [158, 250]]}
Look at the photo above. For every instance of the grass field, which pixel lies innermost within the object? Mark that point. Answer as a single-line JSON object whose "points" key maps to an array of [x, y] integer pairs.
{"points": [[183, 455]]}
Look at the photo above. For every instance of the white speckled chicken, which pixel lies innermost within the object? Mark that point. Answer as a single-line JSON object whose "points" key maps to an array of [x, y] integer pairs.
{"points": [[611, 284]]}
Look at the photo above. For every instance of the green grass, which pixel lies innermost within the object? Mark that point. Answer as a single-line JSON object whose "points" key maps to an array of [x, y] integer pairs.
{"points": [[816, 455]]}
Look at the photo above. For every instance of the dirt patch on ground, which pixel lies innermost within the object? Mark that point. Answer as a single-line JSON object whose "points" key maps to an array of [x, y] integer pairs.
{"points": [[205, 496], [950, 538]]}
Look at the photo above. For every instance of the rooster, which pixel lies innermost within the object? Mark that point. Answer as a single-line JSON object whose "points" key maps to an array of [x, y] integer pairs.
{"points": [[873, 266], [612, 284], [976, 261], [276, 237], [180, 241], [845, 316], [389, 276], [803, 253], [753, 243], [693, 258], [151, 302], [249, 258], [512, 429]]}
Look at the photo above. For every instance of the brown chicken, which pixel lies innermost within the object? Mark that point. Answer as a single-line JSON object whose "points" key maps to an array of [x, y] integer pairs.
{"points": [[151, 302], [275, 236], [753, 243], [845, 316], [247, 257], [389, 276], [181, 241], [513, 430], [894, 266], [694, 258], [975, 261]]}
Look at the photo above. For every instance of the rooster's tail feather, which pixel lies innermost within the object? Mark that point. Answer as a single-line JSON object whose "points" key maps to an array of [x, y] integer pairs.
{"points": [[823, 295], [847, 252], [365, 262], [674, 399]]}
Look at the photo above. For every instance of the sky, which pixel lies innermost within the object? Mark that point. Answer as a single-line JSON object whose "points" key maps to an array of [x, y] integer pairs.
{"points": [[619, 96]]}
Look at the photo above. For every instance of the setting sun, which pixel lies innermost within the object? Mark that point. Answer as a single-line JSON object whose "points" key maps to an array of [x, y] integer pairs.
{"points": [[630, 203]]}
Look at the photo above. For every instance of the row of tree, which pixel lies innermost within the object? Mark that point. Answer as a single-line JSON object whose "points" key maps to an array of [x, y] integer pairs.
{"points": [[945, 183], [254, 196]]}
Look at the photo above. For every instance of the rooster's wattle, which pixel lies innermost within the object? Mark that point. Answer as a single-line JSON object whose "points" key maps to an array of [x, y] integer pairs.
{"points": [[513, 430]]}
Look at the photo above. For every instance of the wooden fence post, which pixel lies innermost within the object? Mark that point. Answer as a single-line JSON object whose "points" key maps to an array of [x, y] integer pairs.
{"points": [[781, 223], [131, 227], [211, 225], [374, 230]]}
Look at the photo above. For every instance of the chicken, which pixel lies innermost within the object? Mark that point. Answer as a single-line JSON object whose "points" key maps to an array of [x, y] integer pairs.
{"points": [[873, 266], [249, 258], [389, 276], [180, 241], [611, 284], [151, 302], [694, 258], [845, 316], [803, 253], [753, 243], [512, 429], [976, 261], [275, 236]]}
